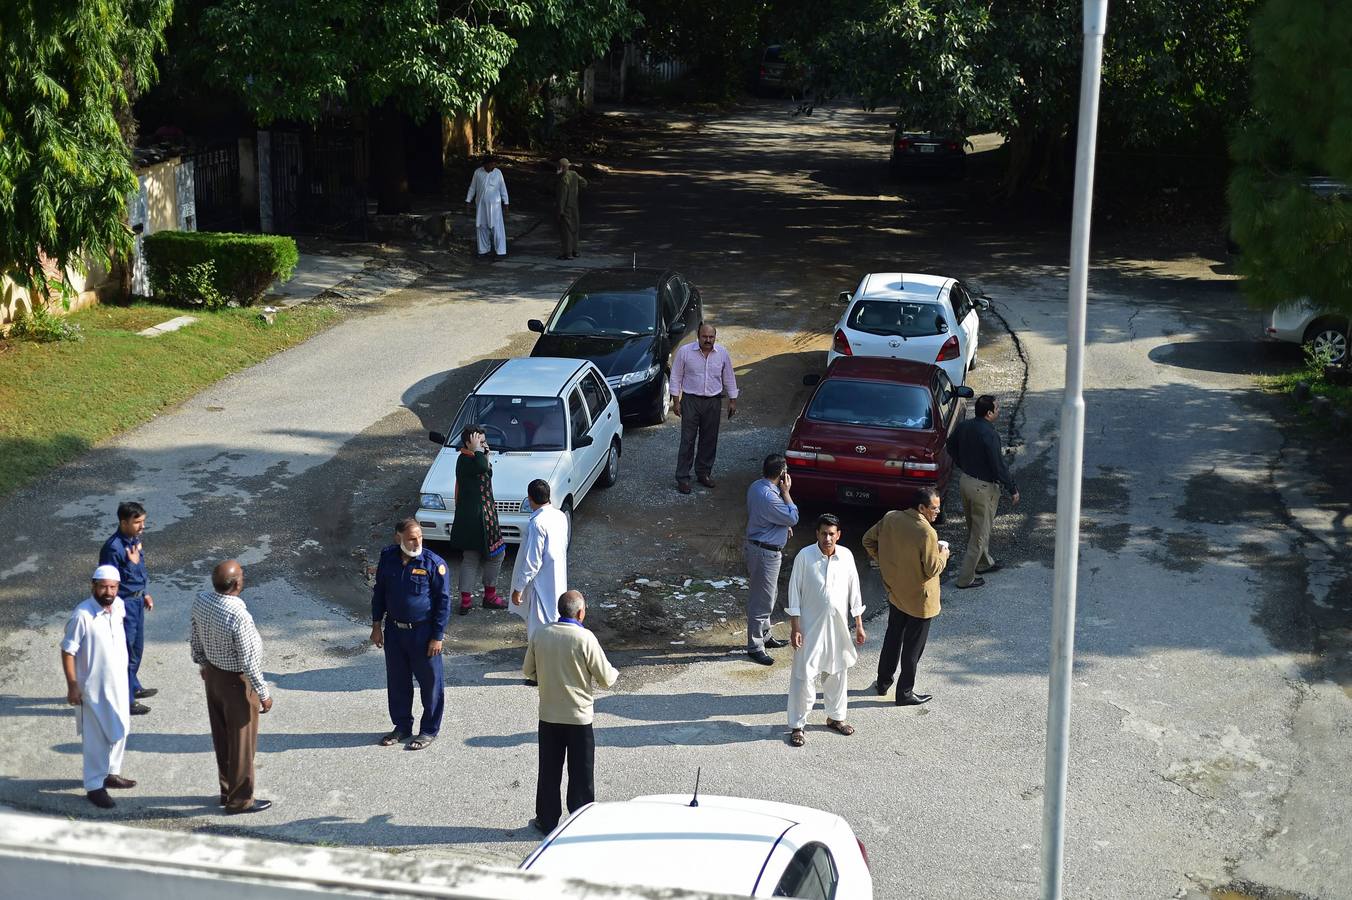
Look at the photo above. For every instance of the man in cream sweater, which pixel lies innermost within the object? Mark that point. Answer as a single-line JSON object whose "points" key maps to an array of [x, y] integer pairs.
{"points": [[567, 661]]}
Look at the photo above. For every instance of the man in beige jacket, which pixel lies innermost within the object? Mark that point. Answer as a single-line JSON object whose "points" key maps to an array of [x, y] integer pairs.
{"points": [[567, 661], [910, 557]]}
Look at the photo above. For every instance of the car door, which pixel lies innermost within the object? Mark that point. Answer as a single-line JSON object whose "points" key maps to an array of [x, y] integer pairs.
{"points": [[579, 457], [596, 394], [964, 312], [810, 875]]}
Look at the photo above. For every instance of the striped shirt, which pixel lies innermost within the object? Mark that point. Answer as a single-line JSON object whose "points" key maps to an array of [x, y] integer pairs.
{"points": [[223, 634]]}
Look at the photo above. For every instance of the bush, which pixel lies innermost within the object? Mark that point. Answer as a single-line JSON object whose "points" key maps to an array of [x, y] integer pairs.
{"points": [[42, 326], [209, 268]]}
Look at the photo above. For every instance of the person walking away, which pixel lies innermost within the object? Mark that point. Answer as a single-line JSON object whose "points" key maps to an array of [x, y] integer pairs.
{"points": [[910, 557], [94, 661], [410, 606], [570, 184], [824, 596], [701, 373], [225, 644], [567, 662], [974, 447], [540, 573], [125, 551], [488, 196], [771, 515], [475, 531]]}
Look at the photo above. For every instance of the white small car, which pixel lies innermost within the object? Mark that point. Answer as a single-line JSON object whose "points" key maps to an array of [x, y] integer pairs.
{"points": [[726, 845], [543, 417], [901, 315], [1299, 322]]}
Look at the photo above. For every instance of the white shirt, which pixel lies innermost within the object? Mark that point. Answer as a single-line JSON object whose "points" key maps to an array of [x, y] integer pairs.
{"points": [[541, 569], [97, 639], [490, 189], [824, 594]]}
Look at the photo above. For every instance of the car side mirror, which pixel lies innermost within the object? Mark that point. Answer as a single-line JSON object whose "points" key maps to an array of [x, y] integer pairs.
{"points": [[436, 437], [584, 441], [678, 329], [983, 303], [843, 297], [964, 392], [812, 380], [536, 326]]}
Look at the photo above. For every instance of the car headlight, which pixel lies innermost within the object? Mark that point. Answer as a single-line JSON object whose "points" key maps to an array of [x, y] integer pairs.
{"points": [[635, 377], [432, 501]]}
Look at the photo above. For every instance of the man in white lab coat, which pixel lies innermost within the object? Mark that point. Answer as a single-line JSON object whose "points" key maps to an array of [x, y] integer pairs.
{"points": [[540, 575], [488, 195], [824, 598], [94, 660]]}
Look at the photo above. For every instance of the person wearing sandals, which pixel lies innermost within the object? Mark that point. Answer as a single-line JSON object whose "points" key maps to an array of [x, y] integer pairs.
{"points": [[410, 605], [824, 597], [475, 531]]}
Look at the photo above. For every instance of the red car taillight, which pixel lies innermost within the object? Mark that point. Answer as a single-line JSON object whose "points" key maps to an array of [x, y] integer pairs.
{"points": [[951, 145], [841, 344], [913, 468], [808, 459], [949, 350], [903, 144]]}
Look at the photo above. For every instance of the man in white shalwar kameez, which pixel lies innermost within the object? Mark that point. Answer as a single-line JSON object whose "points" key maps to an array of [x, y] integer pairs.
{"points": [[540, 575], [488, 195], [94, 659], [823, 599]]}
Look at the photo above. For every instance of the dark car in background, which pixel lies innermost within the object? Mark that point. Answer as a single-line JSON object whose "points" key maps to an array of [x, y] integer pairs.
{"points": [[627, 321], [928, 153]]}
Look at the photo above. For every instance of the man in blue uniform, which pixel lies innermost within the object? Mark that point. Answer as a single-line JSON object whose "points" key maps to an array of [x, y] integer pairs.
{"points": [[411, 597], [124, 551]]}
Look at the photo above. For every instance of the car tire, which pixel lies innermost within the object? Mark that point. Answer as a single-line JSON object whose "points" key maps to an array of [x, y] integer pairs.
{"points": [[1330, 334], [611, 473], [658, 415], [567, 510]]}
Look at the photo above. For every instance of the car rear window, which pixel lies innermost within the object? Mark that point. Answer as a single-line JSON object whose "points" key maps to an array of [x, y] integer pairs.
{"points": [[896, 318], [609, 312], [514, 423], [872, 403]]}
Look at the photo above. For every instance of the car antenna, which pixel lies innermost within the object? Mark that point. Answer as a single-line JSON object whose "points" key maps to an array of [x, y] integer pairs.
{"points": [[635, 263], [694, 801]]}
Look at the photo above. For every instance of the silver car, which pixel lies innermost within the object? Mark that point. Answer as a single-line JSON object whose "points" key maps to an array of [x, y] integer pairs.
{"points": [[1300, 323]]}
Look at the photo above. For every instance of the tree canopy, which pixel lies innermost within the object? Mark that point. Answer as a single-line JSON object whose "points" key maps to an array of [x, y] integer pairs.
{"points": [[68, 72], [1296, 239]]}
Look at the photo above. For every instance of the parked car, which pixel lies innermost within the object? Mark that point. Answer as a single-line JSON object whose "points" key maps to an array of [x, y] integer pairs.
{"points": [[874, 431], [1301, 323], [926, 318], [928, 153], [772, 75], [727, 845], [555, 419], [626, 321]]}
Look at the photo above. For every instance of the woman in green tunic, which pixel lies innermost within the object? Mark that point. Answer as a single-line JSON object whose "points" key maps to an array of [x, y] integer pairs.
{"points": [[475, 531]]}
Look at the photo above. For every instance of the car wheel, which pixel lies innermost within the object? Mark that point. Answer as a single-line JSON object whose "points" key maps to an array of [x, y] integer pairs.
{"points": [[567, 509], [612, 470], [659, 411], [1328, 337]]}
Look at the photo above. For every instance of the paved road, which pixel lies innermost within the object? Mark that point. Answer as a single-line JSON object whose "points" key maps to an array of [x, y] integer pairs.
{"points": [[1209, 734]]}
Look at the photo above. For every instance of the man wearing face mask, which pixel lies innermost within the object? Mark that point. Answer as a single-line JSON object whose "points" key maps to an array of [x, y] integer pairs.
{"points": [[410, 605], [94, 659]]}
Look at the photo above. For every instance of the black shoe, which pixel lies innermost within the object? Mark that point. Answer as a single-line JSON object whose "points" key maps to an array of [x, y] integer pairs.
{"points": [[563, 256], [683, 486], [760, 656], [535, 823], [530, 682], [118, 782], [995, 568], [101, 799], [256, 806], [143, 693], [881, 688], [139, 709], [775, 643], [911, 698]]}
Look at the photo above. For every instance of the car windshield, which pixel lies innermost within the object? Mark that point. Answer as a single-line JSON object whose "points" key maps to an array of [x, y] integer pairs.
{"points": [[513, 423], [875, 404], [896, 318], [621, 312]]}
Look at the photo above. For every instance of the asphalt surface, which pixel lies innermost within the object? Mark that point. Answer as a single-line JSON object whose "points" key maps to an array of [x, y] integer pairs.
{"points": [[1212, 711]]}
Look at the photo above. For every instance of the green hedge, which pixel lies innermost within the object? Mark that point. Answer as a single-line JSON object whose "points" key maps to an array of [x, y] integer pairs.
{"points": [[210, 268]]}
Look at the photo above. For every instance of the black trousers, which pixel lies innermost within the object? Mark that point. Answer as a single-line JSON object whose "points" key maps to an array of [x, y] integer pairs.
{"points": [[699, 435], [577, 745], [904, 643]]}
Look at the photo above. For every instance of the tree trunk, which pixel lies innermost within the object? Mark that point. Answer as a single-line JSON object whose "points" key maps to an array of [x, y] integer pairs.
{"points": [[391, 166]]}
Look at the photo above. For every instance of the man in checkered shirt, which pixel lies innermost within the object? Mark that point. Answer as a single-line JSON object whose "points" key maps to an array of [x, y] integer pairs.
{"points": [[226, 645]]}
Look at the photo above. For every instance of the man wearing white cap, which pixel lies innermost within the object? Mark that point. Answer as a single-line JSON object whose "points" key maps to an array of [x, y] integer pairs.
{"points": [[94, 658]]}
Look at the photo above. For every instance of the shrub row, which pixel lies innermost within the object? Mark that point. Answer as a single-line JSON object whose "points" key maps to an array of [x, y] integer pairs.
{"points": [[211, 268]]}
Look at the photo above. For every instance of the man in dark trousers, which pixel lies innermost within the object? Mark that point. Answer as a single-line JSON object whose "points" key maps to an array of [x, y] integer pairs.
{"points": [[701, 373], [124, 552], [410, 605], [975, 449], [567, 662], [570, 184], [910, 558]]}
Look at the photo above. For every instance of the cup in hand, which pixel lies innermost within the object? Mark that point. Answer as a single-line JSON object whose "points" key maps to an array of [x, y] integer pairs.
{"points": [[943, 546]]}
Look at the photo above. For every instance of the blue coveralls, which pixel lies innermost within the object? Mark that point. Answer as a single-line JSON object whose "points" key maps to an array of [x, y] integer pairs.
{"points": [[413, 601], [131, 589]]}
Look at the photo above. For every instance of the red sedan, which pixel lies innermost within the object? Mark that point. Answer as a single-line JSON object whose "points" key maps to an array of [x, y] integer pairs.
{"points": [[874, 431]]}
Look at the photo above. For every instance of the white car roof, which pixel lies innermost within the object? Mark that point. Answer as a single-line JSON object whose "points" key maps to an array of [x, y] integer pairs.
{"points": [[653, 840], [901, 286], [532, 376]]}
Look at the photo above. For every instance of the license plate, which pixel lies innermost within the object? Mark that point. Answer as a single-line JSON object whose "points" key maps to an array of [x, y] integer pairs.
{"points": [[848, 493], [926, 148]]}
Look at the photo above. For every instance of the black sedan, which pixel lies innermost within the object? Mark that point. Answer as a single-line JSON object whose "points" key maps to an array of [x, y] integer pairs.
{"points": [[925, 152], [627, 321]]}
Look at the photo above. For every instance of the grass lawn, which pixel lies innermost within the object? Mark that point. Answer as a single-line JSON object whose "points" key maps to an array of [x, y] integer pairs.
{"points": [[57, 400], [1340, 396]]}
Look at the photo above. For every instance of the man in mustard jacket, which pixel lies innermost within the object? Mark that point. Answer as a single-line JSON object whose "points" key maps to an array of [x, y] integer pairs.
{"points": [[910, 557]]}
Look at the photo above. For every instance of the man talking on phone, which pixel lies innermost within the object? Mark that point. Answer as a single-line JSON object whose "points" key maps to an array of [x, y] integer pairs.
{"points": [[771, 515]]}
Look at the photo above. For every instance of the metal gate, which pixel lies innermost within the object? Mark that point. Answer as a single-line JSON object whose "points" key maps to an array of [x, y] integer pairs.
{"points": [[318, 183], [216, 186]]}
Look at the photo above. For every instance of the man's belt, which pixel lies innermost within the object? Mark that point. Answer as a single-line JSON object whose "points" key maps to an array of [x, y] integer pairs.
{"points": [[765, 546], [406, 626], [703, 396]]}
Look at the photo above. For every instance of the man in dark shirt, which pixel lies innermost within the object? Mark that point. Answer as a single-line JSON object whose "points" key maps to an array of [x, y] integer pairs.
{"points": [[124, 551], [411, 597], [975, 449]]}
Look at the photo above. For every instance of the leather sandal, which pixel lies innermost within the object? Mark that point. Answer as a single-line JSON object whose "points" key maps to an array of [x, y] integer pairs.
{"points": [[421, 742], [840, 727], [394, 737], [796, 738]]}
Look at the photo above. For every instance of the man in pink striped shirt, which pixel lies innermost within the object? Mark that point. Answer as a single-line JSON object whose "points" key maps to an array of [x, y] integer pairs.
{"points": [[701, 374]]}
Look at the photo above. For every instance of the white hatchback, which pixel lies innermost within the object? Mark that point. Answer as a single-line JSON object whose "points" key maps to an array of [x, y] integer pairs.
{"points": [[1299, 322], [543, 417], [727, 845], [925, 318]]}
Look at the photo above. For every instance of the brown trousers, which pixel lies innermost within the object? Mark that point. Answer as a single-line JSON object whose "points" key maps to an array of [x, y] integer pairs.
{"points": [[979, 501], [232, 706]]}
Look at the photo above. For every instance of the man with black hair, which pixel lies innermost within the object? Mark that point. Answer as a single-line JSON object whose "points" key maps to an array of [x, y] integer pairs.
{"points": [[771, 515], [124, 552], [974, 447]]}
